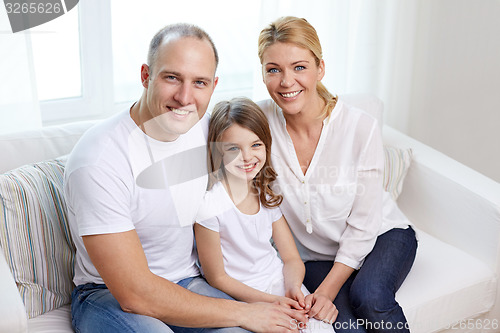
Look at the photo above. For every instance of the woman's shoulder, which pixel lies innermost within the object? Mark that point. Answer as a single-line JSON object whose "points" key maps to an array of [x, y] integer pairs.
{"points": [[354, 118], [269, 107]]}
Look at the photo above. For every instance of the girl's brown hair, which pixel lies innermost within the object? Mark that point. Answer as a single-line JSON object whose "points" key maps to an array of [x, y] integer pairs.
{"points": [[298, 31], [246, 113]]}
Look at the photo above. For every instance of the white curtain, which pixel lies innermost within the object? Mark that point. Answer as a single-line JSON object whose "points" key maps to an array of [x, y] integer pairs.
{"points": [[367, 47], [19, 108]]}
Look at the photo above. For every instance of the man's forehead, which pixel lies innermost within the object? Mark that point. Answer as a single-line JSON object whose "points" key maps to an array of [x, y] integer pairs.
{"points": [[176, 49]]}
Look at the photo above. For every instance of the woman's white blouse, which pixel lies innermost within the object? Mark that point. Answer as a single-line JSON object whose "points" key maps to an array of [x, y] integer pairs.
{"points": [[338, 208]]}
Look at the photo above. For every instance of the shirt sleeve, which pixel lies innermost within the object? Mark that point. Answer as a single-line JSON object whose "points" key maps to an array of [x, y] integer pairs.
{"points": [[365, 218], [276, 214], [211, 223], [99, 200]]}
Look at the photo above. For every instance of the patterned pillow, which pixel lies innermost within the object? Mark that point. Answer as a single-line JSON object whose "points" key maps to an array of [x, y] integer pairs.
{"points": [[397, 162], [34, 235]]}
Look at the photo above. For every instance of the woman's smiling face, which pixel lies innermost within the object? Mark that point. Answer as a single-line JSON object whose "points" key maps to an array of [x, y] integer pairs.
{"points": [[290, 74]]}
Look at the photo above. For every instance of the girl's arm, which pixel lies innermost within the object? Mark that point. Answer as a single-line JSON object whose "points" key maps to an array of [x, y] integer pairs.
{"points": [[293, 267], [210, 255], [318, 305]]}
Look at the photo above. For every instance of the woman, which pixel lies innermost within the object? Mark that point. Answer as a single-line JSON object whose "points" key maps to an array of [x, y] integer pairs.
{"points": [[357, 245]]}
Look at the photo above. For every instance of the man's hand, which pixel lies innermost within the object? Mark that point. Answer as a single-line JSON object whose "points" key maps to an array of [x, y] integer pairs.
{"points": [[272, 317], [320, 307]]}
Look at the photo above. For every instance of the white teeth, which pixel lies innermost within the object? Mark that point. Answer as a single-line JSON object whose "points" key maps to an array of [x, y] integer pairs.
{"points": [[292, 94], [247, 167], [180, 112]]}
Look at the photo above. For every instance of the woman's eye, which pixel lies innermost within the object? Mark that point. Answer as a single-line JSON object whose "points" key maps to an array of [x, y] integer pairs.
{"points": [[272, 70], [299, 68], [256, 145]]}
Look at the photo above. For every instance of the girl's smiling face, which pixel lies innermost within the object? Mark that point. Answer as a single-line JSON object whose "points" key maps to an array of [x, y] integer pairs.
{"points": [[244, 153], [290, 74]]}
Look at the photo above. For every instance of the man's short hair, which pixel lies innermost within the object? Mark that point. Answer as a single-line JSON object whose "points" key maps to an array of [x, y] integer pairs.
{"points": [[178, 30]]}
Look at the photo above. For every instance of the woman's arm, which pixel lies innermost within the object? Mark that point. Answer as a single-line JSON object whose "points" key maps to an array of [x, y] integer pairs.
{"points": [[210, 254]]}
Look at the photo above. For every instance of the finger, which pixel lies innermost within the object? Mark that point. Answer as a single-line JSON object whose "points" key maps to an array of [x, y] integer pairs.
{"points": [[300, 298], [315, 309], [308, 301], [299, 315], [294, 304]]}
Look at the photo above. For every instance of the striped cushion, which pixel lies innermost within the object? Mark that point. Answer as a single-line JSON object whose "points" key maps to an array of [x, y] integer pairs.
{"points": [[34, 235], [397, 162]]}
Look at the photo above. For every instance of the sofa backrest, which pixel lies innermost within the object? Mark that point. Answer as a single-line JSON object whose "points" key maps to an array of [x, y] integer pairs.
{"points": [[20, 148]]}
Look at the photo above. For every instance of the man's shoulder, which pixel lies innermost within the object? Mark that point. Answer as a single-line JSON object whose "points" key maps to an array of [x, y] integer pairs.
{"points": [[101, 141]]}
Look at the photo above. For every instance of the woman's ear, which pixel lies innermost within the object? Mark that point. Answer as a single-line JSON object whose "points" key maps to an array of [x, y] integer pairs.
{"points": [[321, 70]]}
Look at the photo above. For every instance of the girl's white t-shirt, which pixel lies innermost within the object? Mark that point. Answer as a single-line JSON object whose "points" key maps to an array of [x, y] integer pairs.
{"points": [[247, 252]]}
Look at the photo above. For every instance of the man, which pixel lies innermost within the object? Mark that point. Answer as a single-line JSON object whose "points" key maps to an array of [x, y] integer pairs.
{"points": [[130, 215]]}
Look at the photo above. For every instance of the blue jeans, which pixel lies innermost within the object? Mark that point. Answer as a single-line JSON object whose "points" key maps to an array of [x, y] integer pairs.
{"points": [[366, 302], [95, 310]]}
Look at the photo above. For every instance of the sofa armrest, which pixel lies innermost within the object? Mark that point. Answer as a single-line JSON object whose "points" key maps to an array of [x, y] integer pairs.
{"points": [[12, 310], [449, 200]]}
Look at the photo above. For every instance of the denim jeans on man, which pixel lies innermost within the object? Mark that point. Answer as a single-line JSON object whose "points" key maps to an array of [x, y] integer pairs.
{"points": [[366, 301], [95, 310]]}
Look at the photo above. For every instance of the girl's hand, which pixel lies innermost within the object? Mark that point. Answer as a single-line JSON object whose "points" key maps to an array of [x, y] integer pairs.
{"points": [[288, 302], [296, 294], [320, 307]]}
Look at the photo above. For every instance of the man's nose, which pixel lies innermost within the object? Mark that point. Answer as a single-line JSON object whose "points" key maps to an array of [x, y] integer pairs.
{"points": [[184, 94]]}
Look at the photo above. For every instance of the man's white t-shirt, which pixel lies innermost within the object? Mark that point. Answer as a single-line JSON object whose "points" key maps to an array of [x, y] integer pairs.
{"points": [[119, 179]]}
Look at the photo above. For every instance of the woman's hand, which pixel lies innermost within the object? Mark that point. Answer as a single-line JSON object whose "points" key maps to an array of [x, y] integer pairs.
{"points": [[320, 307]]}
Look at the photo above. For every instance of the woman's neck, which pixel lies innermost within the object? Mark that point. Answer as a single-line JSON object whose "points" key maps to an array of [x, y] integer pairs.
{"points": [[308, 120]]}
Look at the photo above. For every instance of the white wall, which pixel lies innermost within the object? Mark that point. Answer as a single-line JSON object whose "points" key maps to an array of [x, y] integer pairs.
{"points": [[455, 95]]}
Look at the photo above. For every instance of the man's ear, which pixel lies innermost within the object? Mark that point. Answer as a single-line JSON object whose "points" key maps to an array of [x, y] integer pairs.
{"points": [[216, 80], [145, 75]]}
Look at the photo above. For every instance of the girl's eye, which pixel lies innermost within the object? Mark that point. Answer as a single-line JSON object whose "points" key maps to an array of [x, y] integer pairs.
{"points": [[232, 149], [256, 145]]}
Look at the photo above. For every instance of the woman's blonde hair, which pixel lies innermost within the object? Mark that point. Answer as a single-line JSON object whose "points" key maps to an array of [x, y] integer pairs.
{"points": [[244, 112], [298, 31]]}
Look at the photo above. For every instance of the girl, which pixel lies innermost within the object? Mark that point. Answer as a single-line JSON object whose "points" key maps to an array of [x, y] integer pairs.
{"points": [[240, 214], [358, 246]]}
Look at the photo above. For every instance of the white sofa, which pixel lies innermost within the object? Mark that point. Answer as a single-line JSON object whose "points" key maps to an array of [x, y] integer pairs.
{"points": [[452, 286]]}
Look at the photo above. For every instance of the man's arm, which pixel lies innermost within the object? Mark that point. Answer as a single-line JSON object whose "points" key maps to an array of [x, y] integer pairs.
{"points": [[120, 260]]}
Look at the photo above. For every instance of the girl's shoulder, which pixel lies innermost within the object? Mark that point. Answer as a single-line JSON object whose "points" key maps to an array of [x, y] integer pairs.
{"points": [[215, 202]]}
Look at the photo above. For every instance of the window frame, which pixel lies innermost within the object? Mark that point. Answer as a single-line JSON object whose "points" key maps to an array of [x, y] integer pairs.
{"points": [[96, 61]]}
